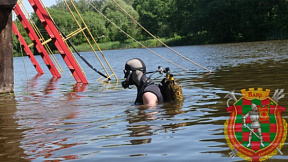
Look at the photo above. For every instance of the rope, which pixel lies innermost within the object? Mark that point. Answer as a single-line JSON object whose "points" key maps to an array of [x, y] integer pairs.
{"points": [[20, 1], [23, 55], [24, 62], [41, 38], [87, 63], [91, 36], [132, 37], [159, 39]]}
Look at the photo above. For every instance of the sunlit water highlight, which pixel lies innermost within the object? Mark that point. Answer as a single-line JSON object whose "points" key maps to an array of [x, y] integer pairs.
{"points": [[57, 119]]}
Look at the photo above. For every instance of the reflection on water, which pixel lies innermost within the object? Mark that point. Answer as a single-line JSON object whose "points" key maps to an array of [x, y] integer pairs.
{"points": [[57, 119], [137, 117], [10, 149], [44, 122]]}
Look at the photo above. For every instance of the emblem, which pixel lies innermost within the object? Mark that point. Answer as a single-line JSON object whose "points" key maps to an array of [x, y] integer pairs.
{"points": [[255, 130]]}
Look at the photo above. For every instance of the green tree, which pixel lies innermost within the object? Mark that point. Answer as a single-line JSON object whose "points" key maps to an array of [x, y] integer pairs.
{"points": [[183, 17], [227, 20], [16, 45], [280, 20], [114, 13], [67, 24], [154, 16], [96, 25], [198, 21]]}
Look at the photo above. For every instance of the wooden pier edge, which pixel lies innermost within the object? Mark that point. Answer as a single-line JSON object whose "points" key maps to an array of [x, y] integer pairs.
{"points": [[6, 47]]}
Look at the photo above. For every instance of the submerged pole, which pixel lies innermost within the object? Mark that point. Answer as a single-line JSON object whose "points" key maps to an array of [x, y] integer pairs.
{"points": [[6, 47]]}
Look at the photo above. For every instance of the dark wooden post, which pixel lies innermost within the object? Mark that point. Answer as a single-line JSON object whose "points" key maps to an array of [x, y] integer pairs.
{"points": [[6, 47]]}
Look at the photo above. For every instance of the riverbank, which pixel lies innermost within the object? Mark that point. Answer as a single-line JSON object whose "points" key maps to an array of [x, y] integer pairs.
{"points": [[128, 44]]}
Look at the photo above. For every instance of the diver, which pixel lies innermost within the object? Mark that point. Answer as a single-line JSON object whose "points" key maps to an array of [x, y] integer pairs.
{"points": [[148, 93]]}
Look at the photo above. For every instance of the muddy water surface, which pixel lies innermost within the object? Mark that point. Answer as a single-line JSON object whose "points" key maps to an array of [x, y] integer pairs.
{"points": [[56, 119]]}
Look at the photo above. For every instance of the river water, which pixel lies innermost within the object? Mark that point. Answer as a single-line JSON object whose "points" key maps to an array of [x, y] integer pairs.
{"points": [[56, 119]]}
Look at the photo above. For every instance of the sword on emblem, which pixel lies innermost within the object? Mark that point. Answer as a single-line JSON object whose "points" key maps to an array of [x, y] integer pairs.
{"points": [[260, 138]]}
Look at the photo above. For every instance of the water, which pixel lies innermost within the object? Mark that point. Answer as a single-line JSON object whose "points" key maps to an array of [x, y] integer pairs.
{"points": [[57, 119]]}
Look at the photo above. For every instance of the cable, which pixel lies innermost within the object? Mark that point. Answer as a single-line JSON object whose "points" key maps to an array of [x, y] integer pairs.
{"points": [[93, 68], [132, 37], [24, 62], [157, 38]]}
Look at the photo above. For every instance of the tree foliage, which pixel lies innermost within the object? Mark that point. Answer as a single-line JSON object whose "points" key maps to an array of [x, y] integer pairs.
{"points": [[221, 21], [199, 21], [114, 13]]}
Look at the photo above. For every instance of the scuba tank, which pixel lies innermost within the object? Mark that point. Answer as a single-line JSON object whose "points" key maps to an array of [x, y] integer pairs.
{"points": [[171, 90]]}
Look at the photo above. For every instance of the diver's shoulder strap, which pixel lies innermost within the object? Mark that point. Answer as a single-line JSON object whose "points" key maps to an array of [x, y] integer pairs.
{"points": [[140, 93]]}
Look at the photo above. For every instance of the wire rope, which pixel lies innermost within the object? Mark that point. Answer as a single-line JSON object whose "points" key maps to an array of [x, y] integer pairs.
{"points": [[132, 37], [159, 39], [87, 63], [91, 36], [24, 62], [41, 38]]}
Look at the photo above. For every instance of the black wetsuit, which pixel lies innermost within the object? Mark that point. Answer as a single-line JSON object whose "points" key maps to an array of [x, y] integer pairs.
{"points": [[149, 86], [139, 79]]}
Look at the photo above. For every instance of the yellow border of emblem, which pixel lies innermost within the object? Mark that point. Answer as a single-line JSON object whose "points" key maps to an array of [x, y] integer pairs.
{"points": [[261, 95], [247, 158]]}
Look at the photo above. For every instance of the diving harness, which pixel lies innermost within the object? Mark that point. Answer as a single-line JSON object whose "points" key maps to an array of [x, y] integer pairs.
{"points": [[171, 90]]}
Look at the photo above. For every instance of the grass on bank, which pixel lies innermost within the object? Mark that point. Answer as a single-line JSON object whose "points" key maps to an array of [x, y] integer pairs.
{"points": [[128, 44]]}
